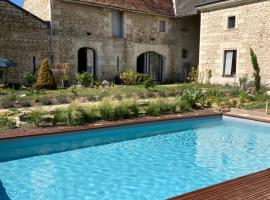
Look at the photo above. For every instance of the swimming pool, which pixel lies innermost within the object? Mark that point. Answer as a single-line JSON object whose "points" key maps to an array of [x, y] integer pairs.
{"points": [[144, 161]]}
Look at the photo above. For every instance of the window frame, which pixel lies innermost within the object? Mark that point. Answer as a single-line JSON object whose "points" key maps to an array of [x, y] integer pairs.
{"points": [[228, 22], [235, 61], [121, 14], [162, 28]]}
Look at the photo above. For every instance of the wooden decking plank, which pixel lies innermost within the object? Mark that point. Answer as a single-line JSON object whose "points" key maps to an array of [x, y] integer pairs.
{"points": [[239, 188], [260, 196]]}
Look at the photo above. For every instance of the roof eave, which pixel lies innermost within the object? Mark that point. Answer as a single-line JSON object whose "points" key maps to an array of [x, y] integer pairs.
{"points": [[118, 8]]}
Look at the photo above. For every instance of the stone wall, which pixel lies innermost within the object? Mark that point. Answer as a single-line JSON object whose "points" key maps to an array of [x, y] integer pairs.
{"points": [[252, 31], [22, 37], [78, 25], [40, 8]]}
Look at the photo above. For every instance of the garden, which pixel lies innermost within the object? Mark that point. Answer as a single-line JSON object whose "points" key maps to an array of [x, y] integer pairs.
{"points": [[46, 102]]}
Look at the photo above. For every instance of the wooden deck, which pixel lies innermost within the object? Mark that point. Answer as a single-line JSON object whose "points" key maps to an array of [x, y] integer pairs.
{"points": [[251, 187]]}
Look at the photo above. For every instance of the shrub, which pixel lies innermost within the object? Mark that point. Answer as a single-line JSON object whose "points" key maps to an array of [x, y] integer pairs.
{"points": [[183, 104], [243, 82], [193, 75], [257, 70], [121, 111], [130, 78], [153, 108], [134, 108], [85, 79], [45, 77], [29, 79], [6, 123], [35, 117], [9, 100], [46, 101], [166, 107], [62, 99], [25, 103], [73, 115], [89, 114], [149, 83], [59, 115], [106, 109]]}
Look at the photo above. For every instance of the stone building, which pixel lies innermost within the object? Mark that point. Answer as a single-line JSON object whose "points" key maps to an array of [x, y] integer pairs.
{"points": [[228, 30], [162, 38], [23, 39], [109, 37]]}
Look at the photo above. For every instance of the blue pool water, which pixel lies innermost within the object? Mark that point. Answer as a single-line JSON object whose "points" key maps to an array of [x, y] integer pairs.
{"points": [[126, 163]]}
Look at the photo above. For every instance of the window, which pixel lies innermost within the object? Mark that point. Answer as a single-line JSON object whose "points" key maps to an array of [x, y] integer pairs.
{"points": [[162, 26], [231, 22], [230, 57], [184, 53], [117, 23]]}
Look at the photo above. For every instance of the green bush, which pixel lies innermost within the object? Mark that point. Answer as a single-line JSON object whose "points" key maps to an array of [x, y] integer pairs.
{"points": [[89, 114], [166, 107], [134, 108], [35, 117], [9, 100], [257, 70], [131, 78], [106, 109], [121, 110], [46, 101], [153, 108], [59, 115], [6, 123], [85, 79], [73, 115], [45, 77], [149, 83], [183, 104], [29, 79], [62, 99], [25, 103]]}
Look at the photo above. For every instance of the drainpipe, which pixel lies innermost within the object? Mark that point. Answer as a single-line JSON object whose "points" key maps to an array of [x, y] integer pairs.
{"points": [[50, 34]]}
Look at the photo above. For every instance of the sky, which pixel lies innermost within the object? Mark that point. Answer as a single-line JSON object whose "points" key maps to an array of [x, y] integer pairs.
{"points": [[18, 2]]}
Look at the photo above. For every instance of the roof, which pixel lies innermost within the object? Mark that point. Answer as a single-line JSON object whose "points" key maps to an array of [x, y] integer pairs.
{"points": [[26, 12], [156, 7], [189, 7]]}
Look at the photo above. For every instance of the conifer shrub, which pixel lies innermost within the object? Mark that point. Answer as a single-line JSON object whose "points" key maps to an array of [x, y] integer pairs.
{"points": [[45, 77], [257, 70]]}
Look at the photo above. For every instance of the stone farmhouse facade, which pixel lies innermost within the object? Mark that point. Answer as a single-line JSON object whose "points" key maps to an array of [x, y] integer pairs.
{"points": [[162, 38]]}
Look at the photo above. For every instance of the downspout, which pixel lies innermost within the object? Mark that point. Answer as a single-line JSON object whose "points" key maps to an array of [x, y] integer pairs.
{"points": [[50, 34]]}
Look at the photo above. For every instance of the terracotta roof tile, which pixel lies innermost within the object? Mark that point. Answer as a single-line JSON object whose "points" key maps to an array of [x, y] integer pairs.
{"points": [[157, 7]]}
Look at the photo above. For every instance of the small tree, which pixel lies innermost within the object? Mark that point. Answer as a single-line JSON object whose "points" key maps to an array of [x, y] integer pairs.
{"points": [[45, 77], [257, 70]]}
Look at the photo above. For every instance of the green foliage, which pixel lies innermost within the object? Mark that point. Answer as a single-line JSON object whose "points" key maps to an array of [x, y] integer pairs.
{"points": [[121, 110], [62, 99], [25, 103], [46, 101], [182, 104], [106, 109], [29, 79], [9, 100], [72, 115], [134, 108], [153, 108], [243, 82], [131, 78], [35, 117], [45, 77], [149, 83], [166, 107], [89, 114], [59, 115], [193, 75], [6, 123], [257, 70], [209, 75], [85, 79], [192, 97]]}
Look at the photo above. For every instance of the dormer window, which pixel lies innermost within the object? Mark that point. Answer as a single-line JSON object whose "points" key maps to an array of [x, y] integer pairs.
{"points": [[231, 22]]}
